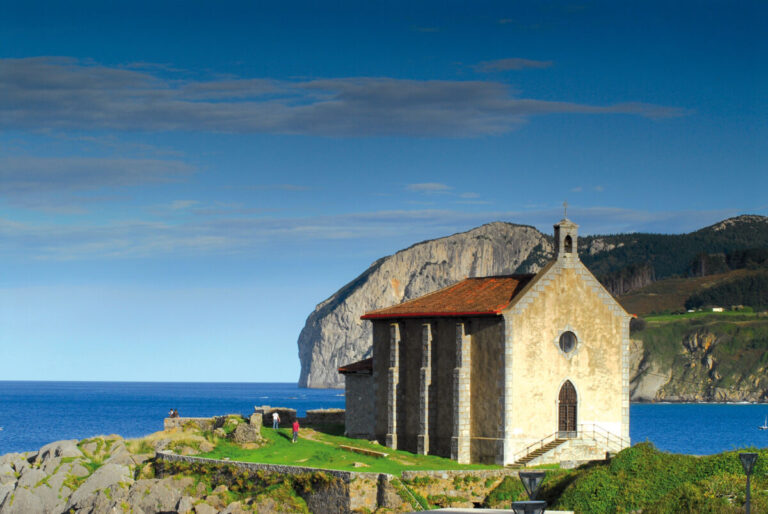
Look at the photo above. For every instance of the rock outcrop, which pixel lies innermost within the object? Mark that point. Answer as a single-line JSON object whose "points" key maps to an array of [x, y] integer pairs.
{"points": [[335, 335], [720, 362], [109, 474]]}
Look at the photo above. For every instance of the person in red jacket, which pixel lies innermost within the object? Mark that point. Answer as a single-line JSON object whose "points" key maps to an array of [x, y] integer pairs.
{"points": [[295, 431]]}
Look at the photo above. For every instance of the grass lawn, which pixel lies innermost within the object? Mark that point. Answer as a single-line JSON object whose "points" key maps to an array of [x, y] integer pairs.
{"points": [[318, 449], [704, 314]]}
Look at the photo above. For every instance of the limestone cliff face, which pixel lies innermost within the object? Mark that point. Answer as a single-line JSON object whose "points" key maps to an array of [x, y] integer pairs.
{"points": [[335, 335]]}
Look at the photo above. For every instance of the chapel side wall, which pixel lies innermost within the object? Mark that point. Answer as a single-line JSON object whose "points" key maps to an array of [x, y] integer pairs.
{"points": [[380, 369], [487, 381], [564, 301], [408, 398], [441, 397], [359, 416]]}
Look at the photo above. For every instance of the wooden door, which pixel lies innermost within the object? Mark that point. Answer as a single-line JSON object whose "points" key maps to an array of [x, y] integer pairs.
{"points": [[567, 410]]}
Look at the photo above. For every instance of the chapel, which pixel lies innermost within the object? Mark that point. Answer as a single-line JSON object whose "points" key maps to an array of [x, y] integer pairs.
{"points": [[519, 369]]}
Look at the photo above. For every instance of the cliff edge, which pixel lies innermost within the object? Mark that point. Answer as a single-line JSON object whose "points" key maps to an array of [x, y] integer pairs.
{"points": [[335, 335]]}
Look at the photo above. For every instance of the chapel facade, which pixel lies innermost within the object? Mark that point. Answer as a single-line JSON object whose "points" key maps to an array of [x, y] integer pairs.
{"points": [[516, 369]]}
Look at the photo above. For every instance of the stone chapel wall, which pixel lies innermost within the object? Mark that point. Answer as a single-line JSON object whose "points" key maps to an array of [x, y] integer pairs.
{"points": [[567, 298], [487, 378], [359, 419]]}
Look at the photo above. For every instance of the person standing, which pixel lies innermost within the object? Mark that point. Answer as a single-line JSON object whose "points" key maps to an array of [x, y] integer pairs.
{"points": [[275, 420], [295, 431]]}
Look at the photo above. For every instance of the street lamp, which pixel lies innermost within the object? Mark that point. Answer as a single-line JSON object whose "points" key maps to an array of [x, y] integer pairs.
{"points": [[748, 462], [531, 481]]}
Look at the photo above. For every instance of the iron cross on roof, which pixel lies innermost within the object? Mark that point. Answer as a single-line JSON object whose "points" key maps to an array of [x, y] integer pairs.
{"points": [[565, 209]]}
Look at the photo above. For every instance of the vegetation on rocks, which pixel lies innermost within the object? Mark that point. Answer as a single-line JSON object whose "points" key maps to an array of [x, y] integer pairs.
{"points": [[643, 479], [705, 356]]}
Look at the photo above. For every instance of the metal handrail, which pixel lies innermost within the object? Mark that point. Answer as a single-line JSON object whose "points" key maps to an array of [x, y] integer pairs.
{"points": [[530, 448], [581, 431]]}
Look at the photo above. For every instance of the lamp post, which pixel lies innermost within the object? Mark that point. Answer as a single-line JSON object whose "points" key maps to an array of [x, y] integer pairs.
{"points": [[748, 462], [531, 481]]}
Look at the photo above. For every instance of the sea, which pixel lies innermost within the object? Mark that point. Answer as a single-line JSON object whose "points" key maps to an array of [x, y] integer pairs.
{"points": [[33, 414]]}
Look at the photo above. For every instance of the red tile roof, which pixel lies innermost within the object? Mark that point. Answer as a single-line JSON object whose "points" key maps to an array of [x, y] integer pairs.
{"points": [[480, 296], [363, 366]]}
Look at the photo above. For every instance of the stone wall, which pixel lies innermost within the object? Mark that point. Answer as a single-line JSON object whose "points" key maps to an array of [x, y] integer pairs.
{"points": [[198, 423], [352, 490], [287, 416], [326, 416], [487, 391], [359, 418]]}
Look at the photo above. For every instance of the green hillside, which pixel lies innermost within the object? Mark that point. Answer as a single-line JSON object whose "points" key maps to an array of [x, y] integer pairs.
{"points": [[671, 295], [674, 255]]}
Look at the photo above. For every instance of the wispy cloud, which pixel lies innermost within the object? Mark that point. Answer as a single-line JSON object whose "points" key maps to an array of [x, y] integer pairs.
{"points": [[274, 187], [249, 235], [512, 63], [428, 187], [62, 93], [33, 175]]}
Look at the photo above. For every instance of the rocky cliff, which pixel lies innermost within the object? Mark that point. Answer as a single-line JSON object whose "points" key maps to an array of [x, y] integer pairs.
{"points": [[701, 360], [335, 335]]}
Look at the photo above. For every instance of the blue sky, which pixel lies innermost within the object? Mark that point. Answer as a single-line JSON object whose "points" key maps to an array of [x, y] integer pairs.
{"points": [[182, 182]]}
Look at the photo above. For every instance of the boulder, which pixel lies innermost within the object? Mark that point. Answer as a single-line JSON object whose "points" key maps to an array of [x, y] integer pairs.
{"points": [[245, 433], [31, 477], [102, 478], [153, 495], [57, 450], [204, 508], [21, 501], [5, 491], [185, 505], [7, 473]]}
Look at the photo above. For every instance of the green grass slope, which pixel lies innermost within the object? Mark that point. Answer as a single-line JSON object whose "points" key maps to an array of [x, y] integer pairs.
{"points": [[321, 449]]}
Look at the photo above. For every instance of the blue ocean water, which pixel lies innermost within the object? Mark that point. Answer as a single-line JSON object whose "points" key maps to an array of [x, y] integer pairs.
{"points": [[33, 414]]}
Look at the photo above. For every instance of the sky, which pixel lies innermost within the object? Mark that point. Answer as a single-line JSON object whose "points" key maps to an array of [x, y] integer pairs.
{"points": [[182, 182]]}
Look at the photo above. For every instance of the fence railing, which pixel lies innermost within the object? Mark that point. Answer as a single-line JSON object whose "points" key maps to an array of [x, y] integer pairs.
{"points": [[584, 431]]}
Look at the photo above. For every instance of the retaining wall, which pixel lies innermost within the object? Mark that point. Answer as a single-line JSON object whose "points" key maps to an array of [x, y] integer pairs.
{"points": [[324, 417], [352, 491]]}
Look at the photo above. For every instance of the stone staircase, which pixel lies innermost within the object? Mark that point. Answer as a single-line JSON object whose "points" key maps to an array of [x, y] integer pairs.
{"points": [[538, 452]]}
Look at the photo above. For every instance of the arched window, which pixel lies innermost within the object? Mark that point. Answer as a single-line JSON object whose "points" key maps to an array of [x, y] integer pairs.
{"points": [[566, 407], [567, 341], [568, 244]]}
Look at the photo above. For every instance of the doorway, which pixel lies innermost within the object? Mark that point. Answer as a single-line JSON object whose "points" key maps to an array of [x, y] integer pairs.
{"points": [[566, 406]]}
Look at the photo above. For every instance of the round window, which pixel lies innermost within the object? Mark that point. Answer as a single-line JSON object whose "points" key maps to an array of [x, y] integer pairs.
{"points": [[567, 341]]}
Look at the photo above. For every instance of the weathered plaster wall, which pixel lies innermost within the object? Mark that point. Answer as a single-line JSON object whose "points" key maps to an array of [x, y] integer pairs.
{"points": [[487, 381], [565, 298]]}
